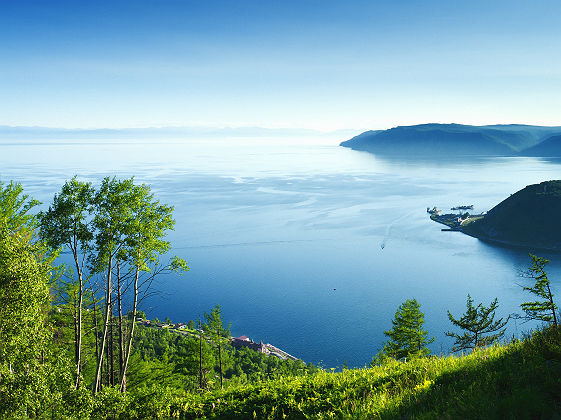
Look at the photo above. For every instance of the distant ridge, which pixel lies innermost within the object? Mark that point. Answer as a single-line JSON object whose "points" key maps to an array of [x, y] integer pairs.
{"points": [[454, 140], [550, 147], [50, 133], [529, 218]]}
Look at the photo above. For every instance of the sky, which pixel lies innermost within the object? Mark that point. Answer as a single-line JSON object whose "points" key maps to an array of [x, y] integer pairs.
{"points": [[324, 65]]}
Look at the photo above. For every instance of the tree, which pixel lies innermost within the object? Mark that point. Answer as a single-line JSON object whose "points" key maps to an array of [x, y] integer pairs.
{"points": [[33, 380], [24, 277], [25, 269], [112, 212], [218, 334], [119, 230], [407, 337], [130, 227], [144, 244], [544, 309], [479, 324], [67, 223], [14, 209]]}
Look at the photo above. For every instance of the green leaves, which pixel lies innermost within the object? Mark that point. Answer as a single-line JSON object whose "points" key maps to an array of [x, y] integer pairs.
{"points": [[67, 222], [14, 208], [541, 310], [179, 265], [407, 337], [115, 231], [479, 324], [214, 324], [32, 378]]}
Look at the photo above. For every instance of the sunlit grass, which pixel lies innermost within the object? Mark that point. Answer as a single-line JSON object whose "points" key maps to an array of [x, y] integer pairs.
{"points": [[521, 379]]}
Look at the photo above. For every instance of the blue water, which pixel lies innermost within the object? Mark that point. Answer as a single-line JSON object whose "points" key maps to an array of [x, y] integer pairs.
{"points": [[307, 245]]}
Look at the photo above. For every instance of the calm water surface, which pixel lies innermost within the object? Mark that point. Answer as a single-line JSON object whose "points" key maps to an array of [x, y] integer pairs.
{"points": [[307, 245]]}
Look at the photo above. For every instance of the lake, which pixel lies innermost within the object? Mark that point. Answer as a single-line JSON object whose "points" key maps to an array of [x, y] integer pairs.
{"points": [[306, 245]]}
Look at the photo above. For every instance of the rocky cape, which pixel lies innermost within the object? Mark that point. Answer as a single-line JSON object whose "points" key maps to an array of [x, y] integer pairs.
{"points": [[457, 140]]}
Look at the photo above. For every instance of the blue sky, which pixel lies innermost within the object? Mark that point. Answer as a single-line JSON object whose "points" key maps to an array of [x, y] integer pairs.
{"points": [[311, 64]]}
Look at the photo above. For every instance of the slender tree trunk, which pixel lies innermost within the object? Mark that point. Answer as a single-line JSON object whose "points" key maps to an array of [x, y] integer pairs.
{"points": [[76, 344], [79, 336], [107, 364], [129, 344], [120, 308], [220, 360], [105, 327], [111, 349], [552, 305], [79, 323], [97, 355], [200, 353], [96, 329]]}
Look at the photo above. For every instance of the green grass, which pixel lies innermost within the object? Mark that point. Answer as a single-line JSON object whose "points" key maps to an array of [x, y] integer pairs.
{"points": [[520, 380]]}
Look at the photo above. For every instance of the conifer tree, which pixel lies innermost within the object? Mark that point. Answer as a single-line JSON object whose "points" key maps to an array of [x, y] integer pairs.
{"points": [[479, 325], [541, 310], [407, 337], [219, 335]]}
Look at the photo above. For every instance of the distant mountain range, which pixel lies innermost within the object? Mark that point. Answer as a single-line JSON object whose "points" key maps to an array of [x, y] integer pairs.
{"points": [[529, 218], [460, 140], [29, 133]]}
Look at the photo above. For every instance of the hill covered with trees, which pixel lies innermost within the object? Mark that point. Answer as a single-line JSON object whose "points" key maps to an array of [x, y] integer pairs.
{"points": [[529, 217], [454, 140]]}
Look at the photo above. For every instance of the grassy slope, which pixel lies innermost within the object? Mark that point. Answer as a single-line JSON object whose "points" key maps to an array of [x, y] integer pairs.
{"points": [[518, 380]]}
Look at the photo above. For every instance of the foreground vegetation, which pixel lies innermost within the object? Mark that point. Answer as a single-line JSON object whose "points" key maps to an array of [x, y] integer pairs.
{"points": [[67, 352], [521, 379]]}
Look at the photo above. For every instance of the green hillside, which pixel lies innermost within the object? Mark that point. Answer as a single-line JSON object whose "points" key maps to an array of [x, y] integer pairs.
{"points": [[530, 218], [520, 380]]}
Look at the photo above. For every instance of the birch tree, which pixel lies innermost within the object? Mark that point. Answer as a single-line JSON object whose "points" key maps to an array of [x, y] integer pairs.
{"points": [[67, 224]]}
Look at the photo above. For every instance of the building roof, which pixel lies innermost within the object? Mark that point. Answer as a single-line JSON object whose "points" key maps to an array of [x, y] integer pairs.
{"points": [[242, 337]]}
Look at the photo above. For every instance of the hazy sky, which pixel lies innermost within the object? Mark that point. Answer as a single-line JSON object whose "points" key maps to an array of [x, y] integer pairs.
{"points": [[313, 64]]}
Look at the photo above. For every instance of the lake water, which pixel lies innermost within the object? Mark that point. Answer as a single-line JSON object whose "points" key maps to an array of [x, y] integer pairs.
{"points": [[307, 245]]}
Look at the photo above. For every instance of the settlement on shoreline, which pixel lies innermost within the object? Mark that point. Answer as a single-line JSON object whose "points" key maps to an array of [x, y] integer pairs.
{"points": [[236, 342], [454, 221], [462, 223]]}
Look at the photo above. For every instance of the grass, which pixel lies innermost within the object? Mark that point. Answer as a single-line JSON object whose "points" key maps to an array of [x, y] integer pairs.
{"points": [[519, 380]]}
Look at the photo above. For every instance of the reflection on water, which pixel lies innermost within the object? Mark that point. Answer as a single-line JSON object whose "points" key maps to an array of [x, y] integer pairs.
{"points": [[307, 245]]}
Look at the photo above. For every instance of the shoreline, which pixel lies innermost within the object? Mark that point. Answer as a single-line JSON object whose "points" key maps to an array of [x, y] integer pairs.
{"points": [[454, 226], [511, 244]]}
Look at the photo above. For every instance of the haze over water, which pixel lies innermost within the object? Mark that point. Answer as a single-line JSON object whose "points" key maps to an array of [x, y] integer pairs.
{"points": [[307, 245]]}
